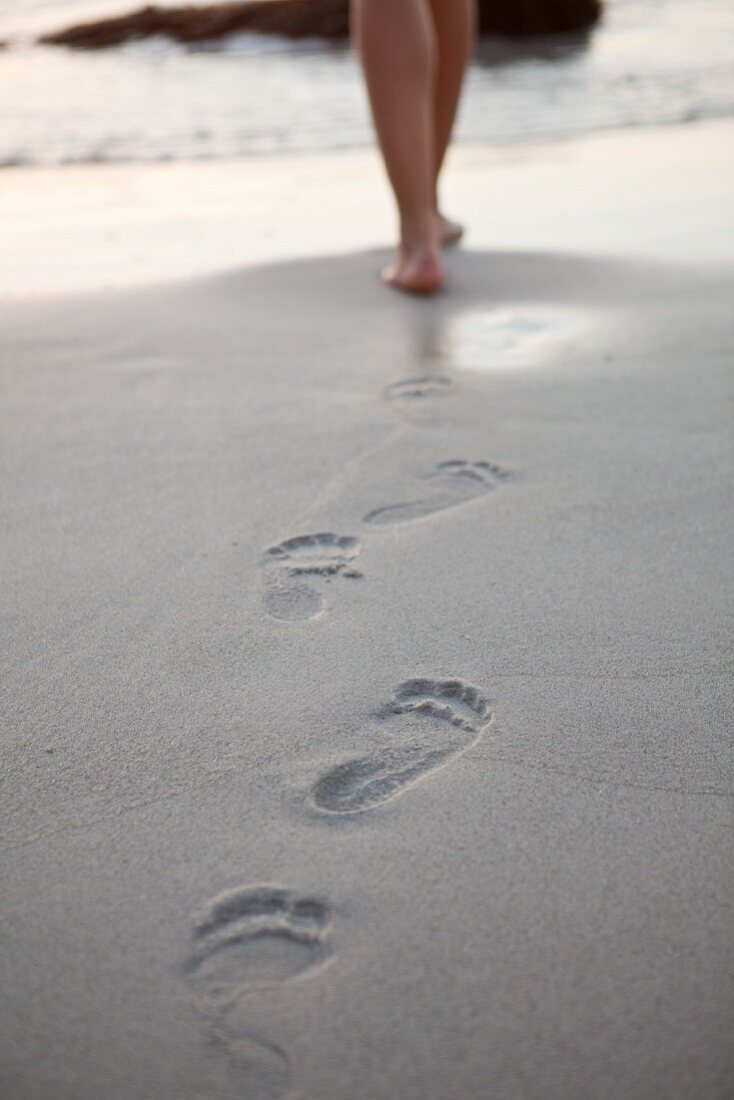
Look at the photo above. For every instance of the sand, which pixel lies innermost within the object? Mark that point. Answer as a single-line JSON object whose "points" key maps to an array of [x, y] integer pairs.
{"points": [[367, 682], [664, 193]]}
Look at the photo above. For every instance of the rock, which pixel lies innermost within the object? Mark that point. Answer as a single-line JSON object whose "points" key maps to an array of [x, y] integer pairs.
{"points": [[327, 19], [524, 18]]}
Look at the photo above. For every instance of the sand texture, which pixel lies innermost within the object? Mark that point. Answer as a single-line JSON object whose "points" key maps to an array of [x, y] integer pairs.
{"points": [[366, 686]]}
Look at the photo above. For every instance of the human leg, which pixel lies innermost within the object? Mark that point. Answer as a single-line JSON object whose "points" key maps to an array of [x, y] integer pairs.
{"points": [[455, 29], [396, 42]]}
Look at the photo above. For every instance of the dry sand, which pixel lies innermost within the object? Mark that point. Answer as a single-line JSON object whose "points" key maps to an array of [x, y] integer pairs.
{"points": [[367, 687]]}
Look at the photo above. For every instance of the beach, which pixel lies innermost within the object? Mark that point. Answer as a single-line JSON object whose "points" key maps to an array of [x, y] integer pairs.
{"points": [[368, 674], [662, 193]]}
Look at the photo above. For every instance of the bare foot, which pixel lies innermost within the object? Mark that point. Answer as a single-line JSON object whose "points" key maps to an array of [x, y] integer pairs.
{"points": [[449, 232], [417, 270]]}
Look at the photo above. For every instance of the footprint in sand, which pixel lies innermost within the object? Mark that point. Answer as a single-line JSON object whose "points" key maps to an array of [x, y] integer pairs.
{"points": [[297, 571], [245, 939], [452, 482], [411, 389], [450, 717], [256, 936], [245, 1062]]}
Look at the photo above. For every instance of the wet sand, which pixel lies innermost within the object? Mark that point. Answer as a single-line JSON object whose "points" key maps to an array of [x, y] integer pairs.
{"points": [[367, 692], [649, 193]]}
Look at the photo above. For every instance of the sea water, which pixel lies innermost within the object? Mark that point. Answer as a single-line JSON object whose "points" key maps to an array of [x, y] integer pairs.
{"points": [[650, 62]]}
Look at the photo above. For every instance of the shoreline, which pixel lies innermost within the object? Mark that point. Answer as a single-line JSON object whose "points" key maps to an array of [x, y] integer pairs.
{"points": [[89, 227]]}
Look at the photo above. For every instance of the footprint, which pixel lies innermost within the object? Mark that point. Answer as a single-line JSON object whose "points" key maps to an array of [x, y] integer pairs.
{"points": [[297, 570], [432, 385], [459, 714], [248, 1067], [253, 937], [244, 939], [450, 700], [451, 483]]}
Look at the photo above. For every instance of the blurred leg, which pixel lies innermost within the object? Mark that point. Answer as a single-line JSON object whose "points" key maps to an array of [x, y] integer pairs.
{"points": [[396, 42], [455, 28]]}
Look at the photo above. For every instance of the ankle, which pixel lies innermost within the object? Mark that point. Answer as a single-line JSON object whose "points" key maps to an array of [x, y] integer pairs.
{"points": [[418, 234]]}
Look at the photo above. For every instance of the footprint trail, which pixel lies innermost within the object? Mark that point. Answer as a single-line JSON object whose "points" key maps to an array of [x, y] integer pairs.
{"points": [[451, 483], [298, 570], [450, 716]]}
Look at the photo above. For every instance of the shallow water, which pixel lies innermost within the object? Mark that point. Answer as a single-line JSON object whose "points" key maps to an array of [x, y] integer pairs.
{"points": [[651, 62]]}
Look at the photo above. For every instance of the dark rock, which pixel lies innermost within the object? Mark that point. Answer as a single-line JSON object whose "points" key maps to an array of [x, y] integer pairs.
{"points": [[524, 18], [310, 18]]}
